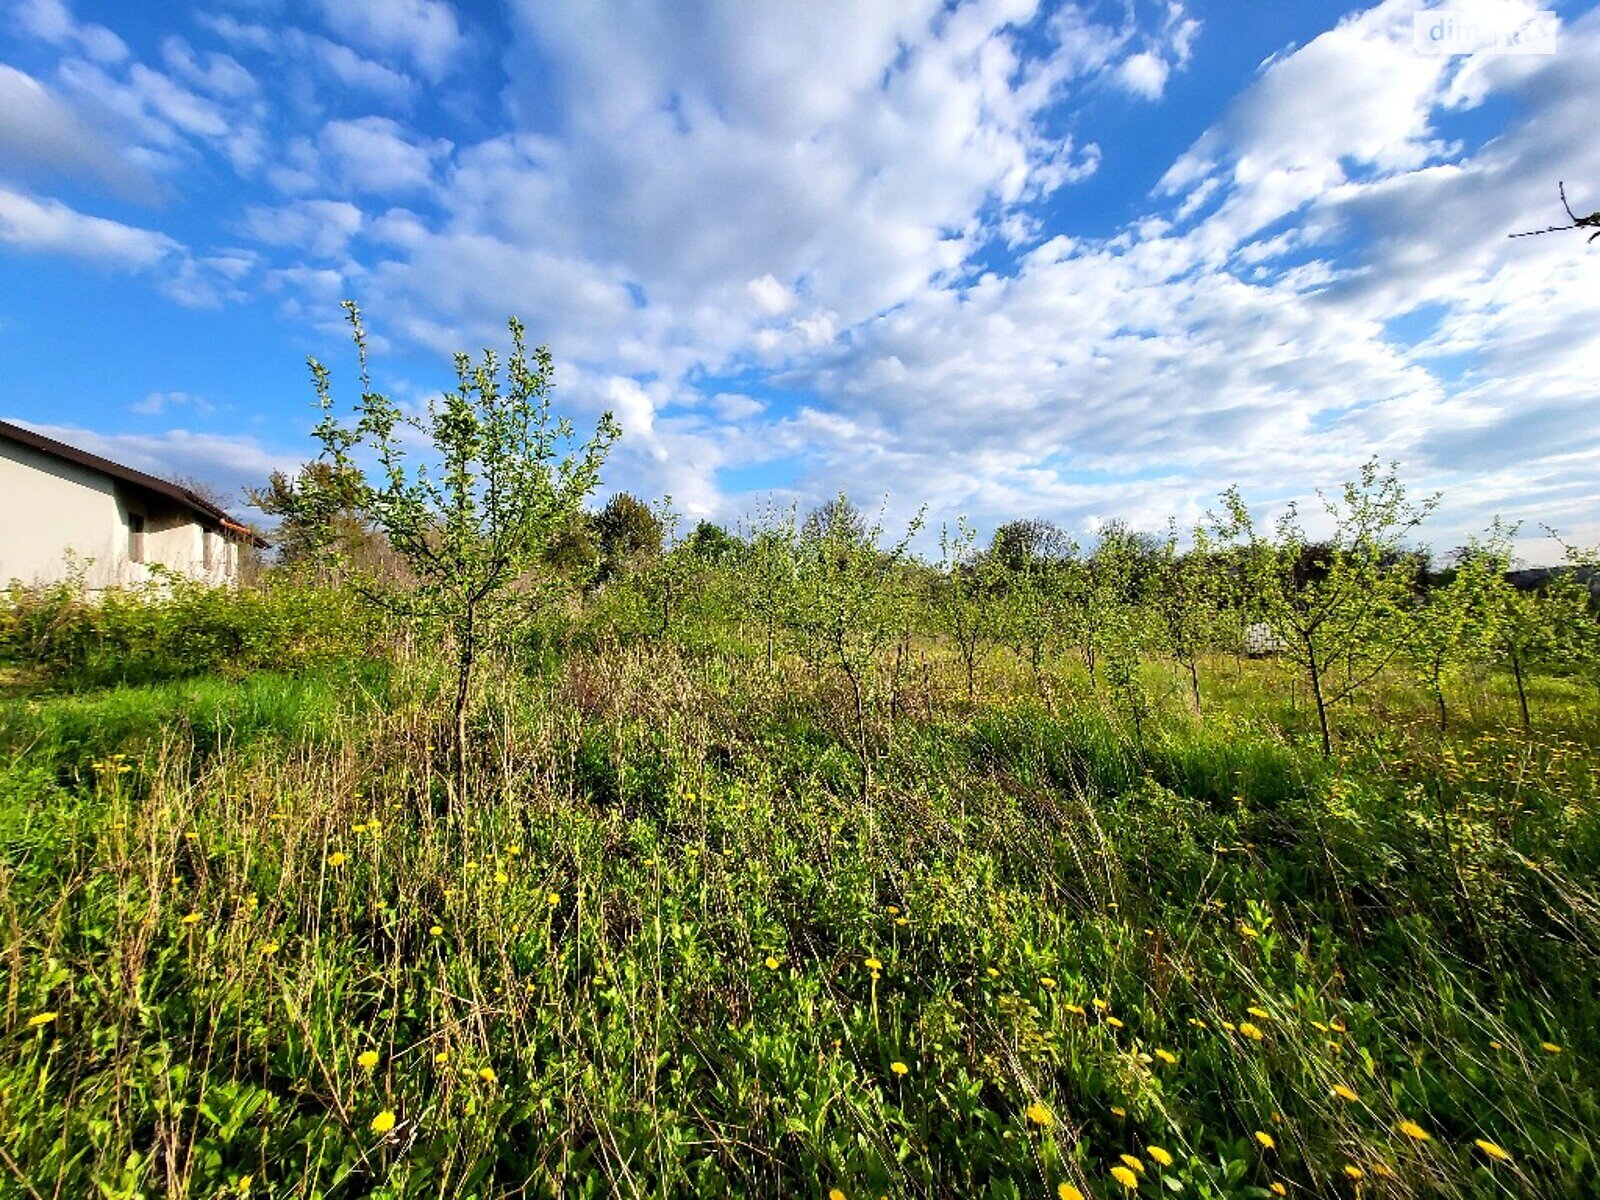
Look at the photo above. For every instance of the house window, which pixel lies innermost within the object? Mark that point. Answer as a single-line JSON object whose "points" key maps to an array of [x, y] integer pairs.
{"points": [[136, 537]]}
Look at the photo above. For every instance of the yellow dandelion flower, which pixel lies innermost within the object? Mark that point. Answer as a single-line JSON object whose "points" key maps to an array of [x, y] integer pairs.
{"points": [[874, 965], [1251, 1031], [1345, 1093], [367, 1059], [338, 858], [1125, 1177], [1197, 1023], [1114, 1022], [193, 918], [1258, 1012], [1498, 1153], [1381, 1171], [993, 973], [1118, 1111], [1159, 1155], [899, 1068], [435, 930], [1101, 1004], [1230, 1026], [1167, 1056], [40, 1020], [1046, 982], [893, 910], [1497, 1045], [1076, 1010], [1415, 1132], [268, 949], [835, 1194], [383, 1122], [487, 1074], [1132, 1163], [1550, 1047], [442, 1057], [1249, 931], [772, 962], [1354, 1172], [1266, 1140], [1277, 1189], [501, 877], [191, 836], [1337, 1026], [553, 899], [1040, 1115], [902, 921], [1065, 1191], [513, 851]]}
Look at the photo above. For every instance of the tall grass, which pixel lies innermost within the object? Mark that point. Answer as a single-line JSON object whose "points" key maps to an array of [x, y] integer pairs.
{"points": [[664, 951]]}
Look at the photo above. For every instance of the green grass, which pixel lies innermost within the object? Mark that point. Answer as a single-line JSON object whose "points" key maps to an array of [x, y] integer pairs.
{"points": [[658, 918]]}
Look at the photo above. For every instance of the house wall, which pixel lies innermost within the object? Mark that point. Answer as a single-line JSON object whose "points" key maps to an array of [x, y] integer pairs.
{"points": [[58, 518]]}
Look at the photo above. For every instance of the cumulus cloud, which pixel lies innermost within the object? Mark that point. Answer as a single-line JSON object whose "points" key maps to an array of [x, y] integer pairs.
{"points": [[52, 21], [154, 404], [1144, 74], [40, 133], [48, 226], [228, 463], [321, 228], [425, 32], [368, 155]]}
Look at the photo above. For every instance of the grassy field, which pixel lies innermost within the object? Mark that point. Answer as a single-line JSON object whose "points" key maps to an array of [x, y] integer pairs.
{"points": [[669, 948]]}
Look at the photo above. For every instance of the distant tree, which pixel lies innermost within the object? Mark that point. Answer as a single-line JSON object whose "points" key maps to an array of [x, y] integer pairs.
{"points": [[317, 512], [1453, 624], [1035, 560], [574, 548], [710, 542], [768, 577], [630, 535], [838, 520], [1121, 632], [966, 598], [506, 478], [1187, 596], [1336, 602], [1020, 545], [848, 603]]}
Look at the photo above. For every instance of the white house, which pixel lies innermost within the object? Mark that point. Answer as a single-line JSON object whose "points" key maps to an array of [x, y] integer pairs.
{"points": [[66, 512]]}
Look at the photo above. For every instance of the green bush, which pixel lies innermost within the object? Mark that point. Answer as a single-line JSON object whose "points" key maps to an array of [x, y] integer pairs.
{"points": [[178, 628]]}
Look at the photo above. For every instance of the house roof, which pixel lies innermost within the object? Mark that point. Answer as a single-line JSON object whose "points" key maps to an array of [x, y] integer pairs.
{"points": [[177, 493]]}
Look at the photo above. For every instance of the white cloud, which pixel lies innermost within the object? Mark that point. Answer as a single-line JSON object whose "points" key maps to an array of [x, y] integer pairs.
{"points": [[41, 132], [351, 70], [212, 72], [228, 463], [424, 31], [48, 226], [322, 228], [155, 404], [769, 296], [1144, 74], [373, 155], [52, 21]]}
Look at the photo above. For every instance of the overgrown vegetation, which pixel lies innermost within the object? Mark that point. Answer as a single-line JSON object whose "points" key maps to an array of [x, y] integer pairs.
{"points": [[781, 862]]}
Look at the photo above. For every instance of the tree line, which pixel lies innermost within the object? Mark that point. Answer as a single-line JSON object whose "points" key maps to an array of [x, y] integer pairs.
{"points": [[472, 516]]}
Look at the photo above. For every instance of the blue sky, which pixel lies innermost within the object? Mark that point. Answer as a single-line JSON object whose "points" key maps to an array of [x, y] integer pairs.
{"points": [[1004, 258]]}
